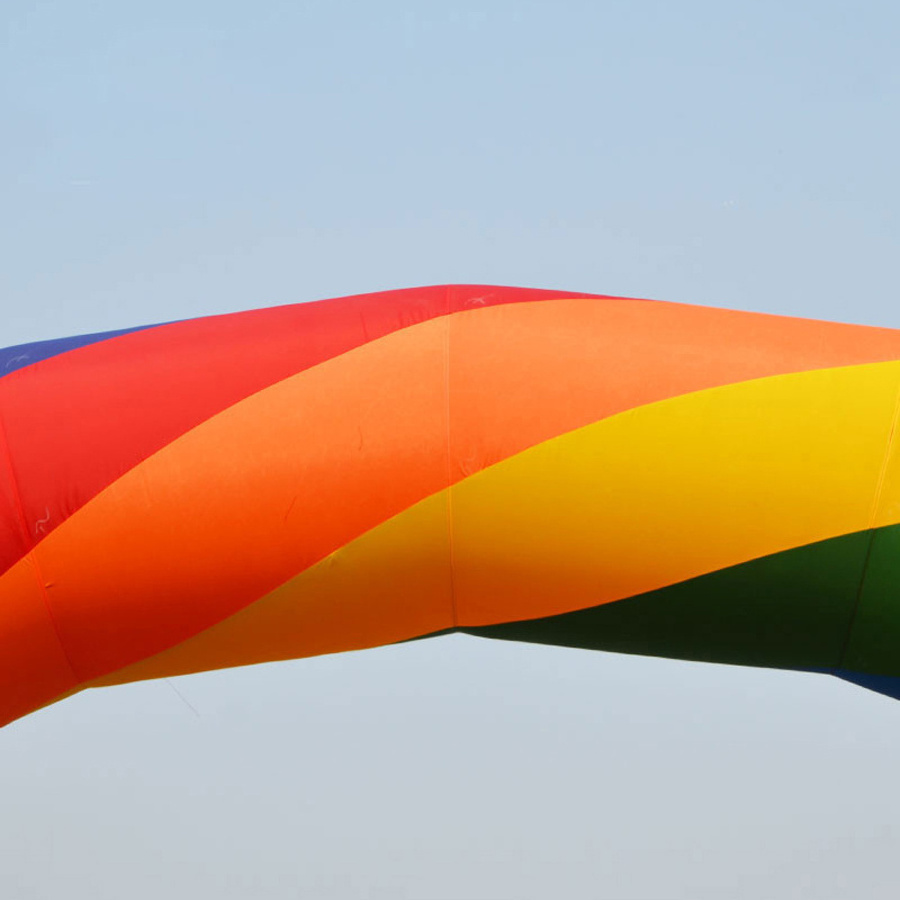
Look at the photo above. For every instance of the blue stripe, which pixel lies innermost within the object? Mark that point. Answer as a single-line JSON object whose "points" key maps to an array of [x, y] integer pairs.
{"points": [[13, 358], [889, 685]]}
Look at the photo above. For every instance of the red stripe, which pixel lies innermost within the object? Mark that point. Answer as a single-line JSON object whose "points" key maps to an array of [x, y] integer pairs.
{"points": [[77, 421]]}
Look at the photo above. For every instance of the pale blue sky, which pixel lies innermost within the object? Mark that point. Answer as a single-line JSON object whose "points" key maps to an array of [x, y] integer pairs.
{"points": [[167, 160]]}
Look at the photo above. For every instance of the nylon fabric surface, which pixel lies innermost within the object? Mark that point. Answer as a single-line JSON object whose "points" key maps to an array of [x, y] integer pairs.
{"points": [[594, 471]]}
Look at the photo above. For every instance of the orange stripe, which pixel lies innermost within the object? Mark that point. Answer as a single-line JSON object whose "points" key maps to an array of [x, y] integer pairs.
{"points": [[523, 373], [33, 668], [265, 489]]}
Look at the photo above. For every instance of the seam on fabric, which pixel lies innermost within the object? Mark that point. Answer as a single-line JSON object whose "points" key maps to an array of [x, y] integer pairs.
{"points": [[873, 516], [447, 408], [31, 554]]}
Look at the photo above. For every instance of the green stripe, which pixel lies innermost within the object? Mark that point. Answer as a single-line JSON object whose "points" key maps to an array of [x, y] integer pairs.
{"points": [[874, 644], [790, 610]]}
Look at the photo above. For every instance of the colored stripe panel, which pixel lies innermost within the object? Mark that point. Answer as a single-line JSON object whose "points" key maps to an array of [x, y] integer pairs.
{"points": [[33, 666], [881, 684], [875, 638]]}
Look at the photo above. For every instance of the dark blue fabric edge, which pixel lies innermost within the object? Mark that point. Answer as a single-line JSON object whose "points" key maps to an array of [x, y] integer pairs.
{"points": [[889, 685], [21, 355]]}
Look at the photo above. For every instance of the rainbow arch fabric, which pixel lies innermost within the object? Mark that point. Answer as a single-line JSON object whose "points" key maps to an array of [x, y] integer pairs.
{"points": [[572, 469]]}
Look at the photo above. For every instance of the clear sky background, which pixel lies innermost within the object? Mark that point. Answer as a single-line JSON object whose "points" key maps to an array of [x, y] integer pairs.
{"points": [[172, 159]]}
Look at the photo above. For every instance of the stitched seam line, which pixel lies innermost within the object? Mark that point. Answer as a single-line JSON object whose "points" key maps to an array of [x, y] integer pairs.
{"points": [[31, 554], [873, 514], [449, 321]]}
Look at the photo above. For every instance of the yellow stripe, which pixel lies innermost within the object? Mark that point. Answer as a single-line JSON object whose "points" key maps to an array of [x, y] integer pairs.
{"points": [[644, 499], [670, 491]]}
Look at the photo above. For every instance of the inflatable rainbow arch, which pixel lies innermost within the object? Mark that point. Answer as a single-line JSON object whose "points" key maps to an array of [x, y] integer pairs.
{"points": [[589, 471]]}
